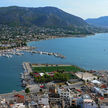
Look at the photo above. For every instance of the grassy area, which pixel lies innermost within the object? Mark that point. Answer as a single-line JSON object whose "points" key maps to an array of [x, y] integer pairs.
{"points": [[71, 76], [57, 68]]}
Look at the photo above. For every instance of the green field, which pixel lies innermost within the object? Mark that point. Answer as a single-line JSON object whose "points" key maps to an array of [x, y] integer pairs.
{"points": [[57, 68], [71, 76]]}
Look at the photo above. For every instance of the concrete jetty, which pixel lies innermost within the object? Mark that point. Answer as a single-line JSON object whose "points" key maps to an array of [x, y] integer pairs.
{"points": [[26, 78], [27, 67], [49, 53]]}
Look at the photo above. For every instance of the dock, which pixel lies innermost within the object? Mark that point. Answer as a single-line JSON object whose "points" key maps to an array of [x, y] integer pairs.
{"points": [[25, 77], [49, 53], [9, 53], [27, 67]]}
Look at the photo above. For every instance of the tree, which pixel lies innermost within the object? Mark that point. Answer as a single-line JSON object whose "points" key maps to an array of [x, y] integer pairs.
{"points": [[40, 90], [27, 90]]}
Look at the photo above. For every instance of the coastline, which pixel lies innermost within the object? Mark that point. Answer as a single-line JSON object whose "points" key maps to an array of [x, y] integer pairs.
{"points": [[55, 38], [49, 39], [9, 52]]}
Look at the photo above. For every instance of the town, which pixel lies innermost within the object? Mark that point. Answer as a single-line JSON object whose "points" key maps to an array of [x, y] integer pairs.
{"points": [[53, 54], [12, 37], [58, 86]]}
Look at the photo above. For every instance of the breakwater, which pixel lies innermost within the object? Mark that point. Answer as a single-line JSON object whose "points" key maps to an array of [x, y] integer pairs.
{"points": [[49, 53]]}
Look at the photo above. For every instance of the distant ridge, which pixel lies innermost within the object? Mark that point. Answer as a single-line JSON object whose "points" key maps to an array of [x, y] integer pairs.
{"points": [[101, 21]]}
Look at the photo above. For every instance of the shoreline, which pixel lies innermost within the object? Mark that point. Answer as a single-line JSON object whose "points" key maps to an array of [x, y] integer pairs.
{"points": [[49, 39], [28, 70], [57, 37], [9, 53]]}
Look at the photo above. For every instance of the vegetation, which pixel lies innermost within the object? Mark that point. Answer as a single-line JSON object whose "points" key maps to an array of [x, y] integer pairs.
{"points": [[57, 68], [49, 21], [19, 25], [101, 21], [54, 73], [27, 90], [56, 77], [44, 16]]}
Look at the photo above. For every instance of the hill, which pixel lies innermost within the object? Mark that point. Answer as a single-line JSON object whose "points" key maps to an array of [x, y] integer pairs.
{"points": [[21, 24], [101, 21], [42, 16]]}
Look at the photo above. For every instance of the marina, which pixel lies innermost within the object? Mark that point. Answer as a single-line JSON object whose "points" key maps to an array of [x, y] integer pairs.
{"points": [[19, 51], [88, 54], [48, 53], [15, 51]]}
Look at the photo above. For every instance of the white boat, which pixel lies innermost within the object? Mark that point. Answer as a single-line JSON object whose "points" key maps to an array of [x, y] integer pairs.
{"points": [[17, 53]]}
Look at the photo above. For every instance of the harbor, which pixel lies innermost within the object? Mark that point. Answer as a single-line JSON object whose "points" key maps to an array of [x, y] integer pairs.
{"points": [[12, 67], [25, 77], [15, 51], [20, 51], [48, 53]]}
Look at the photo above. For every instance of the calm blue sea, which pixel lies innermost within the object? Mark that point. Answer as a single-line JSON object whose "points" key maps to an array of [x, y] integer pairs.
{"points": [[89, 52]]}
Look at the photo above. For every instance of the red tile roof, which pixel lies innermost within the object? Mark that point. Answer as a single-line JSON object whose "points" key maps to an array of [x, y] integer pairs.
{"points": [[103, 86], [101, 98], [19, 96]]}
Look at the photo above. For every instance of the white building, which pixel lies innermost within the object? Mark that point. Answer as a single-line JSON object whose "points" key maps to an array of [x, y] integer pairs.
{"points": [[87, 102], [18, 105], [43, 102], [103, 92], [96, 82], [65, 93], [86, 76]]}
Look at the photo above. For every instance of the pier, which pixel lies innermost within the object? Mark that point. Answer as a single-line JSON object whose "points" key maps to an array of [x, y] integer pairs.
{"points": [[9, 53], [15, 51], [49, 53], [26, 78], [27, 67]]}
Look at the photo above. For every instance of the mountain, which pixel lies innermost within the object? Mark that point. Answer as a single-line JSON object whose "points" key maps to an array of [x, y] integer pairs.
{"points": [[42, 17], [101, 21]]}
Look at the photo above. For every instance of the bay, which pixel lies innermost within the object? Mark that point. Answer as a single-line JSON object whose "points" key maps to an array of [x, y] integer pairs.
{"points": [[89, 52]]}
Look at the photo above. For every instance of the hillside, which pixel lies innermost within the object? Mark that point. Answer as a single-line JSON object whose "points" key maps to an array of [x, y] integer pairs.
{"points": [[43, 16], [21, 24], [101, 21]]}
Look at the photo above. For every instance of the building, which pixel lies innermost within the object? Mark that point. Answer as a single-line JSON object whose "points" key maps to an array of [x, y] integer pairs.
{"points": [[74, 101], [52, 89], [64, 92], [103, 102], [96, 82], [43, 102], [18, 105], [19, 98], [86, 76], [55, 98], [87, 102]]}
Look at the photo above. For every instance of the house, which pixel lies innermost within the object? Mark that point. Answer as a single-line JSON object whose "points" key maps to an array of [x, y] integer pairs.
{"points": [[87, 102], [64, 92], [43, 102], [103, 102], [96, 82], [19, 98], [33, 104], [86, 76], [74, 101], [52, 89], [55, 98], [18, 105], [102, 92]]}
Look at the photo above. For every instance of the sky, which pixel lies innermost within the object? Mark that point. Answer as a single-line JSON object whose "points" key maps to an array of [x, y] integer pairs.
{"points": [[82, 8]]}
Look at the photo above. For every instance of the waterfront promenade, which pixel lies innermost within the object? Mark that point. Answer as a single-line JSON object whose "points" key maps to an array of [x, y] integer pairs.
{"points": [[9, 96], [27, 67]]}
